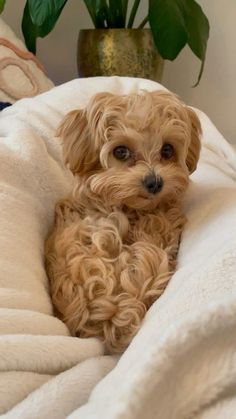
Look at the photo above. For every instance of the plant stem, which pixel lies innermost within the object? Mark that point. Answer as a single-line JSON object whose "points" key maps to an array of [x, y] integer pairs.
{"points": [[133, 13], [143, 23], [124, 9]]}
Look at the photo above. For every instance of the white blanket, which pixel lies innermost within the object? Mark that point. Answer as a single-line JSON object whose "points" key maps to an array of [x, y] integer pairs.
{"points": [[182, 363]]}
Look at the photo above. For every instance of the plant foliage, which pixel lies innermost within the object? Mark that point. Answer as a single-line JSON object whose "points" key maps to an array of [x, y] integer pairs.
{"points": [[2, 4], [174, 23]]}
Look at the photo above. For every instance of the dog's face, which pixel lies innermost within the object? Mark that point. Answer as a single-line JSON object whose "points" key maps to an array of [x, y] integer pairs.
{"points": [[136, 150]]}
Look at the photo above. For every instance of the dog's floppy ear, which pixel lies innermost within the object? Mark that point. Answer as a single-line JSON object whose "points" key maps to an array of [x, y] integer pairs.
{"points": [[195, 144], [78, 148], [84, 132]]}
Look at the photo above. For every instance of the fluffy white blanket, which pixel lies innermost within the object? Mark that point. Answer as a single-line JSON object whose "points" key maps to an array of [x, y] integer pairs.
{"points": [[182, 363]]}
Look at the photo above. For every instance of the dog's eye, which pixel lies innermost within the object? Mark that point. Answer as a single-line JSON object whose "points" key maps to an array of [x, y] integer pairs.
{"points": [[121, 153], [167, 151]]}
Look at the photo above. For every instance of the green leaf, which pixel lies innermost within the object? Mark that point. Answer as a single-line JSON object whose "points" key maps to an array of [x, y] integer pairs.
{"points": [[41, 10], [49, 24], [29, 30], [2, 4], [102, 14], [99, 12], [133, 13], [124, 8], [198, 32], [200, 74], [198, 29], [166, 18], [116, 16], [177, 22], [91, 9]]}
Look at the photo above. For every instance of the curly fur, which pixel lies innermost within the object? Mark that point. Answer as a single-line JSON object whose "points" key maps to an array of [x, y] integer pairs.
{"points": [[113, 247]]}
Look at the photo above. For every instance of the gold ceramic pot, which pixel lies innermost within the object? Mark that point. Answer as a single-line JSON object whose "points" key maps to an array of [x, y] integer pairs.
{"points": [[118, 52]]}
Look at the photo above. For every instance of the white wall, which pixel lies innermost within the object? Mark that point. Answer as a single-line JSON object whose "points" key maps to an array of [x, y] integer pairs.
{"points": [[216, 94]]}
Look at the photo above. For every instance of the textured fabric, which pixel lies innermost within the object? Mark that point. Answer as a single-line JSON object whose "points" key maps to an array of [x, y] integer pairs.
{"points": [[21, 74], [183, 360]]}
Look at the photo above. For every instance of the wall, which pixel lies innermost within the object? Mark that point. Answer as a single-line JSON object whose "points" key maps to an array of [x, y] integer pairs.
{"points": [[216, 94]]}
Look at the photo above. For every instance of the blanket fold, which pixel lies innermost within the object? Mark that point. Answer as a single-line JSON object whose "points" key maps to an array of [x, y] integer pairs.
{"points": [[182, 362], [58, 397]]}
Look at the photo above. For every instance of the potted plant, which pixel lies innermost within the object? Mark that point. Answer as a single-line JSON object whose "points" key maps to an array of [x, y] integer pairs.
{"points": [[114, 46]]}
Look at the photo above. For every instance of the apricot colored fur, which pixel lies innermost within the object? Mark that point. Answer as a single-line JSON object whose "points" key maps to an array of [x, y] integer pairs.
{"points": [[113, 246]]}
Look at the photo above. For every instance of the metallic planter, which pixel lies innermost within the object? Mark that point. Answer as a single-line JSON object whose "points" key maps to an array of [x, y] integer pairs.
{"points": [[120, 52]]}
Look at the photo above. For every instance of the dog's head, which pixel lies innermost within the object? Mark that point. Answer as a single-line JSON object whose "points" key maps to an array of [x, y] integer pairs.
{"points": [[136, 150]]}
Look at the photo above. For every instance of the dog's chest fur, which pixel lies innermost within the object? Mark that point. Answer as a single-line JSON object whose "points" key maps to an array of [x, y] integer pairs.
{"points": [[161, 227], [101, 260]]}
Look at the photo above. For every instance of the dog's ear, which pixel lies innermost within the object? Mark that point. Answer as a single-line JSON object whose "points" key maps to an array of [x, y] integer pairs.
{"points": [[195, 144], [85, 131], [78, 147]]}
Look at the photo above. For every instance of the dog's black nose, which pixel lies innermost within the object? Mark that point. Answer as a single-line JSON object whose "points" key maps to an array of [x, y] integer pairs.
{"points": [[153, 183]]}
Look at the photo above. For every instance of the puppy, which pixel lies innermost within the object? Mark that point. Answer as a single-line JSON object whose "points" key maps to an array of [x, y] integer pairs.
{"points": [[113, 247]]}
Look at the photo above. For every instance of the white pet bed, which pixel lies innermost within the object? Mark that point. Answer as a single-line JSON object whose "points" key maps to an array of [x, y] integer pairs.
{"points": [[182, 363]]}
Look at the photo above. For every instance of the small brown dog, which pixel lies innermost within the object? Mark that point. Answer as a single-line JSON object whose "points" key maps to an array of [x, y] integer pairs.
{"points": [[114, 243]]}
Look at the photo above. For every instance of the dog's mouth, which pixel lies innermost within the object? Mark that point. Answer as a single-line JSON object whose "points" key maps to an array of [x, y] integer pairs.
{"points": [[145, 198], [142, 201], [148, 196]]}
